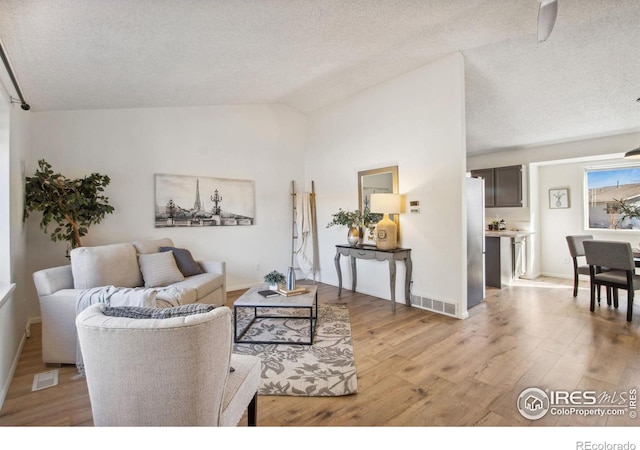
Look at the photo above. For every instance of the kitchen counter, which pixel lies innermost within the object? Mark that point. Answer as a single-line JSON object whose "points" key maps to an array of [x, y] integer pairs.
{"points": [[507, 233]]}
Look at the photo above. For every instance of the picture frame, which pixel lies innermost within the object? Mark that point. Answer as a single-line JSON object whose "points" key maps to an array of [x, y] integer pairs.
{"points": [[200, 201], [559, 198]]}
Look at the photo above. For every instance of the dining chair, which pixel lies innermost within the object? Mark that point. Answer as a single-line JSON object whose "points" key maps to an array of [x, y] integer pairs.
{"points": [[618, 258], [576, 249]]}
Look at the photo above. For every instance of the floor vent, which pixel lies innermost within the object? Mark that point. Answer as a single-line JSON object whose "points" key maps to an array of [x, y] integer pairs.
{"points": [[434, 305], [44, 380]]}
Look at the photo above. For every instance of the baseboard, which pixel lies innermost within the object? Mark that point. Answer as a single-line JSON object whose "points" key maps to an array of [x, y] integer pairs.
{"points": [[12, 371], [533, 276], [242, 286], [559, 275], [30, 322]]}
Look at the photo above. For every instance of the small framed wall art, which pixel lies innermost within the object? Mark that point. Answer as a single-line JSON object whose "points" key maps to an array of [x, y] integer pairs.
{"points": [[559, 198]]}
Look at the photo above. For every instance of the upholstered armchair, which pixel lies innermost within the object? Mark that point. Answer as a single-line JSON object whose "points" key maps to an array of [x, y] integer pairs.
{"points": [[176, 371]]}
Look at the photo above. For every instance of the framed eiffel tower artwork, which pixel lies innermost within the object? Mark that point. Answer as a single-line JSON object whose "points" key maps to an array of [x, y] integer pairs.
{"points": [[191, 201]]}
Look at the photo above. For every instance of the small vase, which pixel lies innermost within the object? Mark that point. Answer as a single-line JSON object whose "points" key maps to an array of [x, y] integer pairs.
{"points": [[353, 236], [273, 287], [291, 279]]}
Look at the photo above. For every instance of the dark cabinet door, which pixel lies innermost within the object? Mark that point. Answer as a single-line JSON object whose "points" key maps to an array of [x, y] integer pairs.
{"points": [[489, 189], [508, 186], [492, 267]]}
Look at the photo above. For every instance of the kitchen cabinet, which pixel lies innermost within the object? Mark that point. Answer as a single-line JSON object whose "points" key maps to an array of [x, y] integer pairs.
{"points": [[488, 176], [505, 257], [503, 186], [498, 257]]}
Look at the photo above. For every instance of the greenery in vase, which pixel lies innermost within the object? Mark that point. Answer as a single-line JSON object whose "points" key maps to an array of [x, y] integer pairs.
{"points": [[345, 218], [274, 277], [370, 219], [73, 205], [356, 218]]}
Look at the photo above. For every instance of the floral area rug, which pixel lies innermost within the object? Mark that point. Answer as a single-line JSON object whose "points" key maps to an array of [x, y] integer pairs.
{"points": [[326, 368]]}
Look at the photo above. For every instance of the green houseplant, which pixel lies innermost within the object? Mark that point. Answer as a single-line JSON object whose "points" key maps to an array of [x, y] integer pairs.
{"points": [[73, 204], [274, 278], [345, 218], [355, 221]]}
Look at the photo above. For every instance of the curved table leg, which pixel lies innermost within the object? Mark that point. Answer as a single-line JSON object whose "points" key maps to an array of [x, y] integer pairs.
{"points": [[392, 283], [354, 274], [336, 260], [407, 280]]}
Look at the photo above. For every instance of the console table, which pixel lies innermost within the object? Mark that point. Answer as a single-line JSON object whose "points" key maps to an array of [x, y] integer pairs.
{"points": [[372, 252]]}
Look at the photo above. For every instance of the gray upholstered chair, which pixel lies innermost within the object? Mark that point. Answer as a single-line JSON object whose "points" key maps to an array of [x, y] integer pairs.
{"points": [[618, 257], [576, 249], [177, 371]]}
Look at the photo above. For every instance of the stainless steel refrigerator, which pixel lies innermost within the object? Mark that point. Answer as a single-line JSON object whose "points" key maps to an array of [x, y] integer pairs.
{"points": [[475, 241]]}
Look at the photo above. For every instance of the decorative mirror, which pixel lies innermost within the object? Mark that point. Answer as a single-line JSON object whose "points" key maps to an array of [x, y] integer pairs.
{"points": [[383, 180], [374, 181]]}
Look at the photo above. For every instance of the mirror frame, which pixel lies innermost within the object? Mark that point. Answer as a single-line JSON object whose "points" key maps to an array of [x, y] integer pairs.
{"points": [[364, 173], [394, 181]]}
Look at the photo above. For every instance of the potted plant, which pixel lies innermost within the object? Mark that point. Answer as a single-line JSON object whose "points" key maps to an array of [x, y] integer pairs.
{"points": [[73, 205], [274, 278], [350, 219], [355, 220]]}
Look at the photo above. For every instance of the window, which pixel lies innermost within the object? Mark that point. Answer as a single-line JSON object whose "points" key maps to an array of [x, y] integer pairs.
{"points": [[608, 189]]}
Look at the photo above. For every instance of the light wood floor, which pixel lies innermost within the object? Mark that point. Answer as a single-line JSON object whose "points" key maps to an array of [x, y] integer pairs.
{"points": [[417, 368]]}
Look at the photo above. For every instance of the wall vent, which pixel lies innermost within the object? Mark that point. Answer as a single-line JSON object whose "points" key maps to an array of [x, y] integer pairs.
{"points": [[430, 304]]}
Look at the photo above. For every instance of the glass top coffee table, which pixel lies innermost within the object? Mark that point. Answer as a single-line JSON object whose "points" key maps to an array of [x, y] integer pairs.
{"points": [[305, 307]]}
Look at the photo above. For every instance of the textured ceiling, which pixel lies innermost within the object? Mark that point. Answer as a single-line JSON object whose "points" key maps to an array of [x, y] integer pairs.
{"points": [[96, 54]]}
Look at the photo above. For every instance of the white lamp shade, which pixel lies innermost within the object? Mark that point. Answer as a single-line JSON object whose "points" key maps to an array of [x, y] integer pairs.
{"points": [[385, 203]]}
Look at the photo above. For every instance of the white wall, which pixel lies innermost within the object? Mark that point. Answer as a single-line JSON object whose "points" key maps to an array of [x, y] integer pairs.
{"points": [[555, 224], [260, 143], [415, 121], [13, 310]]}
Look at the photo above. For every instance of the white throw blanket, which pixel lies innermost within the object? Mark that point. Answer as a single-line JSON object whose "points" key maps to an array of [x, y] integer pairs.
{"points": [[115, 296], [305, 251]]}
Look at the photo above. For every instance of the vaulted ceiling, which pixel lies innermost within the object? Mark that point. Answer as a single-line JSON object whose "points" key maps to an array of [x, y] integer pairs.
{"points": [[95, 54]]}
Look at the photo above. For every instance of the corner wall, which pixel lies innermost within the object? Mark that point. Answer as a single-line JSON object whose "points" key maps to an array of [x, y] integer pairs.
{"points": [[260, 143], [415, 121]]}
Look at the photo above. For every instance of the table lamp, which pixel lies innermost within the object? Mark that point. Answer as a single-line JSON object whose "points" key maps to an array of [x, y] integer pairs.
{"points": [[386, 229]]}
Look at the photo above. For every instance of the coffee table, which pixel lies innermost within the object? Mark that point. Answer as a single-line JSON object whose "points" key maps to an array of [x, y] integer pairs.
{"points": [[251, 299]]}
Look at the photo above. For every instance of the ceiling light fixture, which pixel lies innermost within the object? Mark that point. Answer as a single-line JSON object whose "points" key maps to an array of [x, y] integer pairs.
{"points": [[547, 14]]}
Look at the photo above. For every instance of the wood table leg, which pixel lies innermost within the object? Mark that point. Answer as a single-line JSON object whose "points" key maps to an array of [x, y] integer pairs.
{"points": [[354, 274], [336, 260], [407, 280], [392, 283]]}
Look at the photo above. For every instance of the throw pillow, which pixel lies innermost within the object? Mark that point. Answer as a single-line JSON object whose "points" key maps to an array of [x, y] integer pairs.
{"points": [[152, 246], [159, 269], [187, 265], [139, 312]]}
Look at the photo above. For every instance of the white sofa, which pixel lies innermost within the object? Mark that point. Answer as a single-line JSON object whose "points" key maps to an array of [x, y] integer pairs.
{"points": [[113, 265]]}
